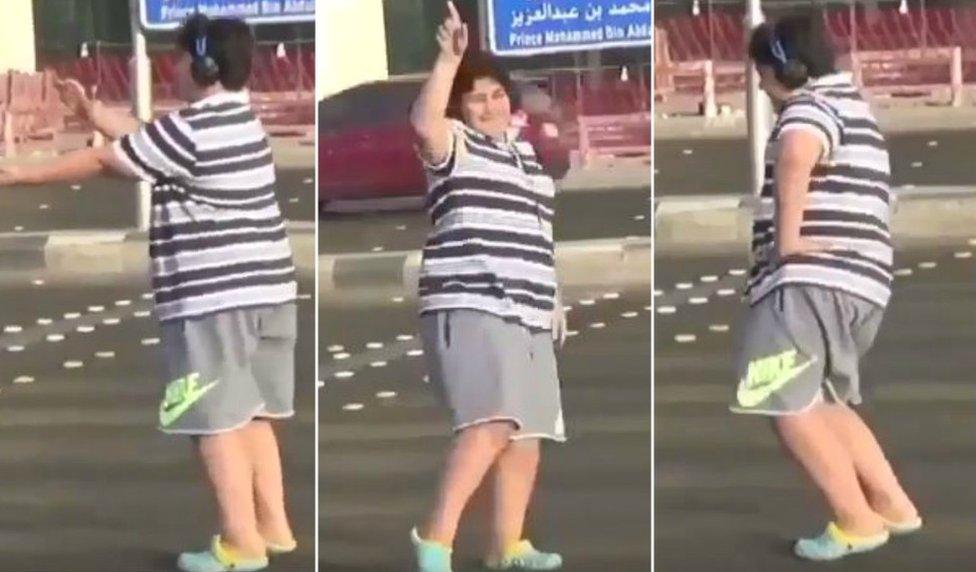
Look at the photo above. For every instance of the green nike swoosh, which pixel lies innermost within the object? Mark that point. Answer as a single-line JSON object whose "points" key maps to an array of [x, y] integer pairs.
{"points": [[170, 412], [751, 396]]}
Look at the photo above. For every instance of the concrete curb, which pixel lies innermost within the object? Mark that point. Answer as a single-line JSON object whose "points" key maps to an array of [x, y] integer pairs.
{"points": [[617, 261], [714, 224], [93, 255]]}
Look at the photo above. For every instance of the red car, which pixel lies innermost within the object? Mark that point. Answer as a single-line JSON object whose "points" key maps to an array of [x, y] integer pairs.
{"points": [[366, 143]]}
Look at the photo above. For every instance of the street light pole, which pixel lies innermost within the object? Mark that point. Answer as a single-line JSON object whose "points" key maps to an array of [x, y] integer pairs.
{"points": [[141, 88], [758, 107]]}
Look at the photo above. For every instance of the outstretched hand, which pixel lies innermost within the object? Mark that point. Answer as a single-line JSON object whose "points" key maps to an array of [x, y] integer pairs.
{"points": [[10, 175], [452, 35], [73, 95]]}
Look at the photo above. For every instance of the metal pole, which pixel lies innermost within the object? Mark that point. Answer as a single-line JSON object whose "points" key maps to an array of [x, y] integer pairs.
{"points": [[758, 108], [925, 25], [141, 104]]}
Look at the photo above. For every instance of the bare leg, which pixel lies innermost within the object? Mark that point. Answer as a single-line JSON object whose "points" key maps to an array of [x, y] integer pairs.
{"points": [[269, 490], [474, 451], [827, 462], [515, 474], [881, 487], [230, 477]]}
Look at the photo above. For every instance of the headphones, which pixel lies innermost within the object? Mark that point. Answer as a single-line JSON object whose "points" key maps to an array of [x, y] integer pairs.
{"points": [[789, 70], [203, 67]]}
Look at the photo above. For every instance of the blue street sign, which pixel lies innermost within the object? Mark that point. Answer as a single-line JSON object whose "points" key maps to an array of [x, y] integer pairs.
{"points": [[527, 27], [168, 14]]}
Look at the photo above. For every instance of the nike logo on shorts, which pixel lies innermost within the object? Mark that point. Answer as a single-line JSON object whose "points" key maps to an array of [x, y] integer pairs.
{"points": [[768, 375], [181, 395]]}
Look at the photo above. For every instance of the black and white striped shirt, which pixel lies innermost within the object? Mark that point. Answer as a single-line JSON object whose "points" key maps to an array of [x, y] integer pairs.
{"points": [[848, 204], [217, 238], [491, 248]]}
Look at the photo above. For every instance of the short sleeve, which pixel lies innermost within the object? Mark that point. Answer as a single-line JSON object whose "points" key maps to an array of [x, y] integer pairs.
{"points": [[446, 166], [815, 117], [163, 149]]}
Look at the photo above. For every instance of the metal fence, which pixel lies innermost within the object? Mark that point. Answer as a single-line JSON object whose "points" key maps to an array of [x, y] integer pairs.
{"points": [[922, 47]]}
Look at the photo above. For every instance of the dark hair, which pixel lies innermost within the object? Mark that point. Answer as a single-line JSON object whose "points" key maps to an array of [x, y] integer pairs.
{"points": [[475, 66], [230, 44], [796, 47]]}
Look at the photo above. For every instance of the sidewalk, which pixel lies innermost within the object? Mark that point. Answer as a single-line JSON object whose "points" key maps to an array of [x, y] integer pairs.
{"points": [[903, 118], [293, 149], [723, 223]]}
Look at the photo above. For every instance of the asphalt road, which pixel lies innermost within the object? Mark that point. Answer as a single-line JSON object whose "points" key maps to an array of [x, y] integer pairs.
{"points": [[383, 435], [726, 499], [87, 484], [110, 203], [721, 166]]}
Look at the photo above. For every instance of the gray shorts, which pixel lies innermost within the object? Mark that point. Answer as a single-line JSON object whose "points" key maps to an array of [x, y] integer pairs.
{"points": [[228, 368], [489, 369], [802, 345]]}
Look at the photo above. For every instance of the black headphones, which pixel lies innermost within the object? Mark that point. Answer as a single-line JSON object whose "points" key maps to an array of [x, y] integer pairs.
{"points": [[203, 67], [789, 70]]}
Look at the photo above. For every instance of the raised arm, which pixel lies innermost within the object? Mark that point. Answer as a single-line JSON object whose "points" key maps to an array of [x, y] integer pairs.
{"points": [[429, 113]]}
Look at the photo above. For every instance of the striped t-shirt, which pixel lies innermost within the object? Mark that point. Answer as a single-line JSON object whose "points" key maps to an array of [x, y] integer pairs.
{"points": [[848, 203], [217, 238], [490, 248]]}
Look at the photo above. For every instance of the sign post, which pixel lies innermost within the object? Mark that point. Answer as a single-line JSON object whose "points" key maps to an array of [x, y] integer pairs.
{"points": [[141, 82], [530, 27], [758, 108]]}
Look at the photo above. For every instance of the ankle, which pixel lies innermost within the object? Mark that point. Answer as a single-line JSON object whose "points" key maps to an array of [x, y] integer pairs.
{"points": [[245, 546], [869, 524]]}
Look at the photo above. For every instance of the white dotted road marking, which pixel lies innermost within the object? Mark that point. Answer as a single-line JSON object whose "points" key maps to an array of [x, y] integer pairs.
{"points": [[44, 206], [903, 272], [293, 200], [415, 353], [378, 364], [37, 282], [44, 321], [149, 341], [374, 345], [386, 394], [685, 338], [123, 303], [105, 355], [14, 329], [571, 333], [698, 300], [75, 187], [963, 254], [666, 310], [142, 314], [629, 315], [639, 217], [344, 374], [687, 151], [334, 349], [54, 338], [587, 302], [147, 296], [611, 296], [927, 265], [598, 325], [737, 272], [353, 407], [397, 299], [719, 328], [308, 181], [72, 316], [304, 296], [708, 279], [73, 364], [24, 379], [726, 292], [110, 321], [320, 384], [340, 356], [658, 293], [684, 285], [15, 348], [916, 164], [85, 329], [404, 338], [933, 143], [96, 309]]}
